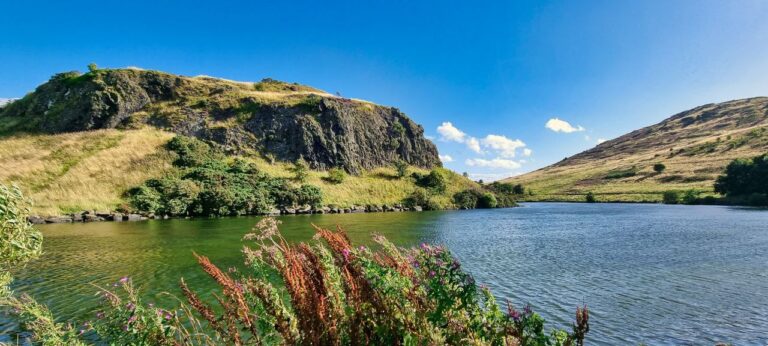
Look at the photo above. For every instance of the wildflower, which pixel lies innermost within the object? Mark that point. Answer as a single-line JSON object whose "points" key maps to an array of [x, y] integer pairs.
{"points": [[100, 315], [125, 328], [346, 253], [527, 309], [514, 314], [132, 319], [124, 279], [168, 316], [130, 306], [81, 332], [151, 305], [361, 248], [424, 246], [431, 273]]}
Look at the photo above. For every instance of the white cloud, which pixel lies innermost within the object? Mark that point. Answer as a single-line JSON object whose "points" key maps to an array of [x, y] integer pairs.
{"points": [[494, 163], [601, 140], [504, 146], [4, 101], [450, 133], [445, 158], [558, 125], [474, 145], [527, 152], [587, 138]]}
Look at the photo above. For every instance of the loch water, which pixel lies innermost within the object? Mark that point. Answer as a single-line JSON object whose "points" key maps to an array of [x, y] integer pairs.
{"points": [[653, 274]]}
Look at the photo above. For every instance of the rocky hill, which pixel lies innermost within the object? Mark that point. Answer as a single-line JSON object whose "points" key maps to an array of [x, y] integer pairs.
{"points": [[694, 146], [277, 120]]}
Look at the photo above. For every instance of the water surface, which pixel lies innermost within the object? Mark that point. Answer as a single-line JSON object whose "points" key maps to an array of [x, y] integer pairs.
{"points": [[656, 274]]}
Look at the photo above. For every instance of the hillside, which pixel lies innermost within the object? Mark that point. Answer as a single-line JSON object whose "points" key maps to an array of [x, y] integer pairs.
{"points": [[80, 141], [274, 119], [695, 146]]}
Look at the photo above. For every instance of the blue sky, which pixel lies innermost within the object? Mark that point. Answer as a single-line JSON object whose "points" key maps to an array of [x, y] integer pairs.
{"points": [[497, 71]]}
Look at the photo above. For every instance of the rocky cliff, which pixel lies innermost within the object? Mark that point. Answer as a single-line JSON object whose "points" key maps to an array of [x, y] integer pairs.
{"points": [[279, 120]]}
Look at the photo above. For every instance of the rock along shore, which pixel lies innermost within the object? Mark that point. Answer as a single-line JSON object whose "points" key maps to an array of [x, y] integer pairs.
{"points": [[96, 216]]}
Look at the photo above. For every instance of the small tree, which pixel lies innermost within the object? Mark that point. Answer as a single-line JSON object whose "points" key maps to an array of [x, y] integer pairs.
{"points": [[92, 67], [670, 197], [336, 176], [402, 168], [300, 170], [518, 189], [659, 167], [590, 197]]}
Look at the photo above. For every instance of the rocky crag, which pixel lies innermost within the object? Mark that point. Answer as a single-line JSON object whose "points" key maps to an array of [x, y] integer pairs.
{"points": [[278, 120]]}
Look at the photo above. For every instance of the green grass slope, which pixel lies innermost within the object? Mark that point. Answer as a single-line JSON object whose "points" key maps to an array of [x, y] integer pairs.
{"points": [[695, 146]]}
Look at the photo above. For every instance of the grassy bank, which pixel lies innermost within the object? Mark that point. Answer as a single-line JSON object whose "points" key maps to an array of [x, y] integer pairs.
{"points": [[91, 170]]}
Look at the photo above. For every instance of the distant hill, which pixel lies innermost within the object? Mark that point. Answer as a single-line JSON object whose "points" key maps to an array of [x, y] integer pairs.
{"points": [[694, 146], [272, 118]]}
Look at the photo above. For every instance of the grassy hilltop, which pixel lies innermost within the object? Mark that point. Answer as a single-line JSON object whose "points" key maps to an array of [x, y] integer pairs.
{"points": [[80, 141], [693, 146]]}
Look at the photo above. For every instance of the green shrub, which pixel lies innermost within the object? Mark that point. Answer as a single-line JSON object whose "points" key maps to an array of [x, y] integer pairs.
{"points": [[691, 197], [487, 200], [590, 197], [621, 173], [336, 176], [434, 181], [744, 178], [659, 167], [92, 67], [466, 199], [670, 197], [209, 185], [300, 170], [402, 168]]}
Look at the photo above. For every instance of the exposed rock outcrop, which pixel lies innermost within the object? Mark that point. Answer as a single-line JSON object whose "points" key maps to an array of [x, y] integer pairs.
{"points": [[279, 120]]}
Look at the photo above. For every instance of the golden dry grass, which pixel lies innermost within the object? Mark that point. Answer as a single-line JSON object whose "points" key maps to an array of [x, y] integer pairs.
{"points": [[82, 170], [91, 170]]}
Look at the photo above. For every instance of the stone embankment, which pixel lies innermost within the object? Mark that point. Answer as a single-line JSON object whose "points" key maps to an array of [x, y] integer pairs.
{"points": [[94, 216]]}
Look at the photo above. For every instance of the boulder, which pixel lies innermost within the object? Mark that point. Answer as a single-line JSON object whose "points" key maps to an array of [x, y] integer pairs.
{"points": [[273, 212], [133, 217], [117, 217], [77, 217], [58, 219], [417, 208], [36, 220], [289, 211], [103, 214]]}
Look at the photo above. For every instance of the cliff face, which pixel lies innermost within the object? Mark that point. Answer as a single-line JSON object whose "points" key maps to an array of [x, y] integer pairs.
{"points": [[272, 118]]}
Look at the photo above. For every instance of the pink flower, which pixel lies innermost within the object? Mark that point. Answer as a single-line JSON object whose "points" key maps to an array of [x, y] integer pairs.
{"points": [[346, 253], [124, 279]]}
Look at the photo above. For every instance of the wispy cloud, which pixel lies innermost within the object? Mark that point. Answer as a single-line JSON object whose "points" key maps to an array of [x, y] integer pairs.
{"points": [[559, 125], [445, 158], [493, 163], [601, 140], [527, 152]]}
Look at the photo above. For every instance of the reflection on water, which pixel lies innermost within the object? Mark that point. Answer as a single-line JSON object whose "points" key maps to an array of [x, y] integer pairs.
{"points": [[650, 273]]}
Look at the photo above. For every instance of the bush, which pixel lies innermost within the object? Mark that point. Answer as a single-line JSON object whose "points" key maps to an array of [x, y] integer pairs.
{"points": [[419, 197], [487, 200], [466, 199], [590, 197], [92, 67], [208, 185], [402, 168], [670, 197], [743, 178], [659, 167], [691, 197], [336, 176], [300, 170], [434, 181]]}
